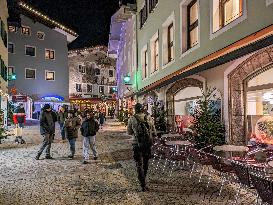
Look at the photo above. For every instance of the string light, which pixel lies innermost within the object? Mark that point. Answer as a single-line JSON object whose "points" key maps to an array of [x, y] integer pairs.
{"points": [[39, 14], [87, 49]]}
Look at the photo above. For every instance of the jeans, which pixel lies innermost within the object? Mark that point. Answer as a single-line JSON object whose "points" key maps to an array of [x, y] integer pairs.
{"points": [[62, 130], [141, 158], [46, 144], [72, 143], [86, 142]]}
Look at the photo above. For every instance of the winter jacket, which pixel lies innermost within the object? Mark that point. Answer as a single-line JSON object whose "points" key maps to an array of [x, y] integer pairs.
{"points": [[71, 127], [47, 122], [89, 127], [101, 118], [19, 116], [62, 116], [132, 126]]}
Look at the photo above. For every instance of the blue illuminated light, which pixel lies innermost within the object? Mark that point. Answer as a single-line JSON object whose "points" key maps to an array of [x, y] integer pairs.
{"points": [[53, 98]]}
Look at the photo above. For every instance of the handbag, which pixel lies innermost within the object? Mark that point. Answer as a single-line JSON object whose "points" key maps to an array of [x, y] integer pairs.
{"points": [[18, 131]]}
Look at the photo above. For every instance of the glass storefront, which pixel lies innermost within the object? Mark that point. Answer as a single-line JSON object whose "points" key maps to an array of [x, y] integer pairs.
{"points": [[259, 108]]}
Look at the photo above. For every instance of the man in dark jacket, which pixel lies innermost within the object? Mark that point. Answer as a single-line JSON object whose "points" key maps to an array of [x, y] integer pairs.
{"points": [[89, 129], [47, 130], [19, 119]]}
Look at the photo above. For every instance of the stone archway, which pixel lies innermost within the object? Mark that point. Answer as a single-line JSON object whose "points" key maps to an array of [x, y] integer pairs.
{"points": [[175, 88], [237, 85]]}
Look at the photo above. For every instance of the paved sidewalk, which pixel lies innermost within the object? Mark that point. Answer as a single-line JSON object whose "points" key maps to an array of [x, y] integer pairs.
{"points": [[110, 180]]}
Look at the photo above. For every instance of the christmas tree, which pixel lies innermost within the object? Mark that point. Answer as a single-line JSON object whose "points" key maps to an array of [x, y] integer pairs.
{"points": [[207, 126]]}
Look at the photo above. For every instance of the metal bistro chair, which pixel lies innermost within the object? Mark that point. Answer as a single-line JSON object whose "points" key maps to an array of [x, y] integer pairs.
{"points": [[263, 185], [226, 171], [242, 172], [200, 157]]}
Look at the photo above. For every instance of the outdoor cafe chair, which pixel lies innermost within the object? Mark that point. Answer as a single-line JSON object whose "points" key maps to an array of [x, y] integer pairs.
{"points": [[263, 186], [199, 157], [243, 176], [226, 170]]}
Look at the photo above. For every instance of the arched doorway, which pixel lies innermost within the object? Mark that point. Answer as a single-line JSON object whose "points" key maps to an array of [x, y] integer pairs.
{"points": [[239, 80], [174, 91]]}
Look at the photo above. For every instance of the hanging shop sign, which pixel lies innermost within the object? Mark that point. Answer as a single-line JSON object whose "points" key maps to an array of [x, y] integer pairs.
{"points": [[19, 98]]}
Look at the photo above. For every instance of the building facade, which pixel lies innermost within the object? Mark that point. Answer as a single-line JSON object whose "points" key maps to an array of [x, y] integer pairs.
{"points": [[122, 46], [3, 61], [92, 80], [187, 46], [38, 60]]}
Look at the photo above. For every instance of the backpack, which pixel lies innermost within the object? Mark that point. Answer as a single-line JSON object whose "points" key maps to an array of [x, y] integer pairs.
{"points": [[143, 134]]}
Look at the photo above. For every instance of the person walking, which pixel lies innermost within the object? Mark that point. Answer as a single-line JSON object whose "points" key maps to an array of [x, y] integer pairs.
{"points": [[62, 115], [101, 119], [47, 130], [71, 127], [142, 130], [89, 129], [19, 119]]}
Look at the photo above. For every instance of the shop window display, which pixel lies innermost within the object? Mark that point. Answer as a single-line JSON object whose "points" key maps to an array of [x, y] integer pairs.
{"points": [[259, 110]]}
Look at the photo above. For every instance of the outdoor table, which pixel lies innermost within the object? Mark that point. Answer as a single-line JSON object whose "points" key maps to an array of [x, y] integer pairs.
{"points": [[171, 135], [229, 151], [231, 148], [179, 143]]}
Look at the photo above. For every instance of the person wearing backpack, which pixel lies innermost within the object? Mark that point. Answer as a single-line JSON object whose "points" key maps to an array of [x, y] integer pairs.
{"points": [[89, 129], [142, 130]]}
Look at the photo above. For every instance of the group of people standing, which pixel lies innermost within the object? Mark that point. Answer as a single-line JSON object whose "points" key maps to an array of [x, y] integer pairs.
{"points": [[70, 124]]}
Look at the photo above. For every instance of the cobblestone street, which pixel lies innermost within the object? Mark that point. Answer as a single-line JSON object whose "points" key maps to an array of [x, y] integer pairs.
{"points": [[110, 180]]}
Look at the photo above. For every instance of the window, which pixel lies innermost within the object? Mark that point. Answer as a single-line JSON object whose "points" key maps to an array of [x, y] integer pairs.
{"points": [[50, 75], [112, 90], [25, 30], [143, 14], [10, 47], [49, 54], [82, 69], [97, 71], [226, 11], [152, 5], [40, 35], [13, 29], [168, 40], [170, 43], [89, 88], [154, 42], [3, 33], [11, 70], [111, 73], [144, 62], [192, 11], [30, 73], [79, 88], [4, 70], [101, 89], [30, 50]]}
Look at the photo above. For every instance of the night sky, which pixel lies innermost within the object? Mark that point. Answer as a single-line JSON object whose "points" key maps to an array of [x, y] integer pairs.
{"points": [[89, 18]]}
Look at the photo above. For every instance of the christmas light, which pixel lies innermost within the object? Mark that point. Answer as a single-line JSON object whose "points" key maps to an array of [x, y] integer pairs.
{"points": [[39, 14]]}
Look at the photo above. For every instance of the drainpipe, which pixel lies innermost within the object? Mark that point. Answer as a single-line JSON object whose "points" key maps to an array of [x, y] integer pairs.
{"points": [[136, 74]]}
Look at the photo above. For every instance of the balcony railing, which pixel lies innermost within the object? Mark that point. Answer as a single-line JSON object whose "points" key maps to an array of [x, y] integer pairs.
{"points": [[152, 5]]}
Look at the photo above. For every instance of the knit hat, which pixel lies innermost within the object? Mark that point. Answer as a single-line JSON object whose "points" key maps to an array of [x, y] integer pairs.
{"points": [[138, 107], [47, 106]]}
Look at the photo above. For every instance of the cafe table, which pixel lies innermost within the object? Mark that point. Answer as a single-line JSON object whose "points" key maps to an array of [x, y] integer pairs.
{"points": [[230, 150], [170, 135]]}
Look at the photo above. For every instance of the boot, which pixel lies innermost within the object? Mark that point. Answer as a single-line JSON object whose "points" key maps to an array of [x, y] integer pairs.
{"points": [[37, 156]]}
